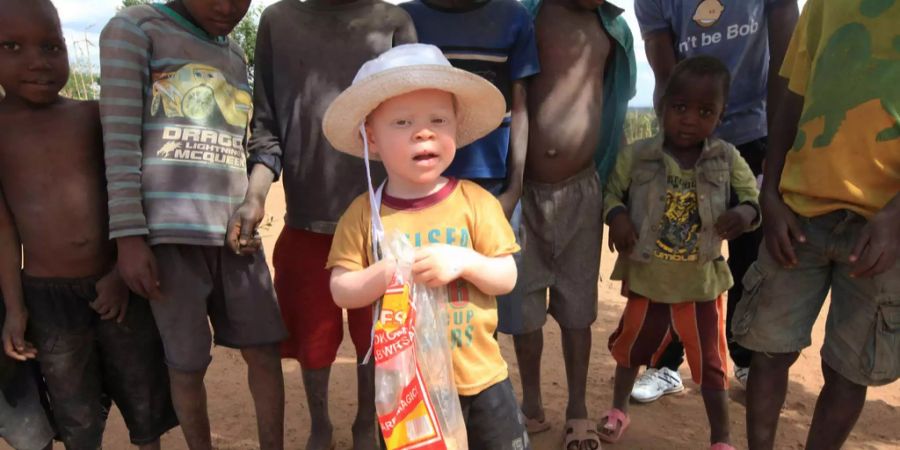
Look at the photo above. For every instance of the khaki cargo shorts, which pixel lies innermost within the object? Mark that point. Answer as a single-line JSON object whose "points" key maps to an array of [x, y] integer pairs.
{"points": [[780, 306]]}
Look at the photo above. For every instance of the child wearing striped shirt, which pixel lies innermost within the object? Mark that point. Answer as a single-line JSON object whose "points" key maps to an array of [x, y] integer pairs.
{"points": [[175, 106]]}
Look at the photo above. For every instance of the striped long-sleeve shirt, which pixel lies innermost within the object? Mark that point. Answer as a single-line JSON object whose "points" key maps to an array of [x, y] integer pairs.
{"points": [[175, 104]]}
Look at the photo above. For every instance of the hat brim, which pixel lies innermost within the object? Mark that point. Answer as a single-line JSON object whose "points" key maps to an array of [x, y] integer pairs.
{"points": [[480, 106]]}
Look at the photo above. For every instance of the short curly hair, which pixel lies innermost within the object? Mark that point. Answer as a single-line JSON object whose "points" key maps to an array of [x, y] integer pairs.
{"points": [[695, 67]]}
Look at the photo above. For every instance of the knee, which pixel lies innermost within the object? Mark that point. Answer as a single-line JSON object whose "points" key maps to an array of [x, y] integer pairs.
{"points": [[262, 356], [187, 379], [530, 341], [835, 380], [773, 362]]}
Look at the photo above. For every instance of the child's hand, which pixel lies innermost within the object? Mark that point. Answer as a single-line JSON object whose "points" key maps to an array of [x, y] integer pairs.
{"points": [[439, 264], [14, 343], [877, 247], [242, 237], [735, 221], [781, 228], [112, 297], [622, 235], [137, 267]]}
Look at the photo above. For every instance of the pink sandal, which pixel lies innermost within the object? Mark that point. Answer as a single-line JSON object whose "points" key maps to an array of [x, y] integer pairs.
{"points": [[616, 424], [721, 446]]}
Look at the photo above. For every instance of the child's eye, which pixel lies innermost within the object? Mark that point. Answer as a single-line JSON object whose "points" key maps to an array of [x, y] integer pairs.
{"points": [[53, 48], [705, 112], [401, 122], [438, 121], [679, 107], [10, 46]]}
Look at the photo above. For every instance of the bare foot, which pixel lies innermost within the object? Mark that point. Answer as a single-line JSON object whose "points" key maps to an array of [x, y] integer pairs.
{"points": [[320, 439], [364, 437]]}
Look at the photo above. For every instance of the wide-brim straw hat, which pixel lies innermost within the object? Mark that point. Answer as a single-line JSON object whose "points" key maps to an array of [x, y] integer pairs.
{"points": [[480, 107]]}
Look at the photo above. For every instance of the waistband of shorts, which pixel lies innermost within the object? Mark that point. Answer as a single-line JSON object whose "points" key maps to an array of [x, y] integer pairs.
{"points": [[44, 282], [840, 217], [588, 172]]}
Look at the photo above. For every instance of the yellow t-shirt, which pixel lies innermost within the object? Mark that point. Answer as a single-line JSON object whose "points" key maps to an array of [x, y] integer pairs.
{"points": [[844, 59], [461, 213]]}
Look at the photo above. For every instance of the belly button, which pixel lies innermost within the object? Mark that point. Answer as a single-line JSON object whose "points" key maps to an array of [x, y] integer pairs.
{"points": [[552, 152]]}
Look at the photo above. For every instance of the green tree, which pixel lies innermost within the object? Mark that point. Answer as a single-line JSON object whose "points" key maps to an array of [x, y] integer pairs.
{"points": [[244, 33]]}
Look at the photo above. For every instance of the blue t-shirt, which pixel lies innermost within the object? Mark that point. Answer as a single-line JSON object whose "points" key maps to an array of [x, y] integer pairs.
{"points": [[494, 39], [734, 31]]}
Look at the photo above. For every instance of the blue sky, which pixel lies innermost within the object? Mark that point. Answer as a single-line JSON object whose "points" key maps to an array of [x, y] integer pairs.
{"points": [[82, 25]]}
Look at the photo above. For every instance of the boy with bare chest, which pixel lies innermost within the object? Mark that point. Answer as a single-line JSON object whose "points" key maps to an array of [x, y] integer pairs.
{"points": [[576, 112], [93, 339]]}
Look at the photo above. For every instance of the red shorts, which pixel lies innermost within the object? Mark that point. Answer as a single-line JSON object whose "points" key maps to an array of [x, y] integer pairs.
{"points": [[315, 323], [646, 329]]}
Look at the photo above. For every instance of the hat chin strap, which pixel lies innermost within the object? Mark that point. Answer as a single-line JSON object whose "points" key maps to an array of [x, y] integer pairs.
{"points": [[377, 231]]}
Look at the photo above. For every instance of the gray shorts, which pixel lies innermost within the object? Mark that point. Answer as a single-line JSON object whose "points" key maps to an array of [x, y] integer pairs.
{"points": [[23, 421], [780, 306], [203, 285], [562, 231]]}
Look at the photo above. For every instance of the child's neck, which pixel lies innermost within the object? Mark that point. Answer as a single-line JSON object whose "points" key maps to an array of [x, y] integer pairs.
{"points": [[404, 189], [15, 104], [686, 156]]}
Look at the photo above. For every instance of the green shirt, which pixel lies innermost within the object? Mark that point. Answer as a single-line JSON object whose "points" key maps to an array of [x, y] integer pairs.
{"points": [[674, 273]]}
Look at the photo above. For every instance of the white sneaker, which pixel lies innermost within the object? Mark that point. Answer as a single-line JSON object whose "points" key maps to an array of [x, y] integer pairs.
{"points": [[654, 383], [741, 373]]}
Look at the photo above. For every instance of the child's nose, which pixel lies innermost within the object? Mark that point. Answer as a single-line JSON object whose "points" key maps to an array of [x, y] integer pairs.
{"points": [[38, 61], [225, 8], [424, 134]]}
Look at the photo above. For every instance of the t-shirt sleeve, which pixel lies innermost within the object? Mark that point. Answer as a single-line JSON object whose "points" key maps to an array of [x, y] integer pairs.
{"points": [[651, 15], [265, 143], [798, 60], [492, 235], [523, 60], [124, 77], [350, 247]]}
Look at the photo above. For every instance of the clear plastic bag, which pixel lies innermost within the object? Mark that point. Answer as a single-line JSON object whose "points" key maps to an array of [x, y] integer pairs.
{"points": [[415, 395]]}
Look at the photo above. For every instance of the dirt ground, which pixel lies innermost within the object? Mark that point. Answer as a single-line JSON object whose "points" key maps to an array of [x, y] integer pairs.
{"points": [[674, 422]]}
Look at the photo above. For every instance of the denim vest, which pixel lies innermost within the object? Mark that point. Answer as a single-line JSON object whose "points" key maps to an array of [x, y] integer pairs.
{"points": [[647, 195]]}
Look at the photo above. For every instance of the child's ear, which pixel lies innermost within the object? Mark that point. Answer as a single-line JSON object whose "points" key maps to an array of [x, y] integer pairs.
{"points": [[370, 137]]}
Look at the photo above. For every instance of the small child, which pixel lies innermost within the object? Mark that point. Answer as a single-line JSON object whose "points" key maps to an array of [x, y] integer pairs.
{"points": [[293, 87], [413, 109], [94, 340], [176, 105], [670, 202]]}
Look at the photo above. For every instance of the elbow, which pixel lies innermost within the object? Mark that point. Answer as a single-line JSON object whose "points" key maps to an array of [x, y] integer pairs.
{"points": [[506, 282], [339, 294]]}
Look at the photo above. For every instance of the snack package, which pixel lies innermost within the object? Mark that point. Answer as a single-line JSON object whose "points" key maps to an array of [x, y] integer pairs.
{"points": [[415, 396]]}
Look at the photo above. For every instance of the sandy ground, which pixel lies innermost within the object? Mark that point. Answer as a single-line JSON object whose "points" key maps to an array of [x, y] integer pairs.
{"points": [[674, 422]]}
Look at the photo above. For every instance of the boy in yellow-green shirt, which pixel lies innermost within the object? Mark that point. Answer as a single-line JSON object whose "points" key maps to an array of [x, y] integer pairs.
{"points": [[831, 198]]}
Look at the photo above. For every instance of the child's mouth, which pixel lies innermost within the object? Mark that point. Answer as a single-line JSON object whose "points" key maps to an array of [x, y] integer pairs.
{"points": [[422, 157]]}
